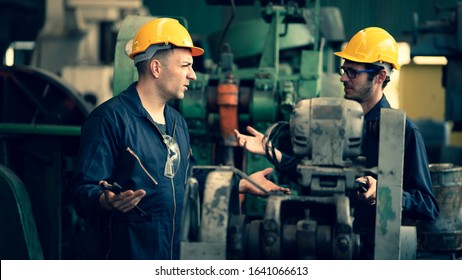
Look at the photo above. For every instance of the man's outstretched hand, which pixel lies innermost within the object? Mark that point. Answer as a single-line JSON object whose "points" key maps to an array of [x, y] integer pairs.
{"points": [[260, 178]]}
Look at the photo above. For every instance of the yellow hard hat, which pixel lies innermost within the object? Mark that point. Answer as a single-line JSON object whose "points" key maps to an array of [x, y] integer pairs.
{"points": [[370, 45], [163, 31]]}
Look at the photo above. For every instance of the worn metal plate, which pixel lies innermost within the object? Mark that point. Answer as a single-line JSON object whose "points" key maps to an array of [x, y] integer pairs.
{"points": [[389, 185]]}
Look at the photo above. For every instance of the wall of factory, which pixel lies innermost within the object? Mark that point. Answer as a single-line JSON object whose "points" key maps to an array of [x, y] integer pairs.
{"points": [[396, 16], [422, 96]]}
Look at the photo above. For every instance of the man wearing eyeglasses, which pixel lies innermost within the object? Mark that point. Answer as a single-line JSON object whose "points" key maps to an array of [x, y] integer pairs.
{"points": [[369, 60]]}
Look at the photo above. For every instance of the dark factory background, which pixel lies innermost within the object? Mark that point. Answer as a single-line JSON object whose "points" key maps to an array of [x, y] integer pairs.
{"points": [[61, 58]]}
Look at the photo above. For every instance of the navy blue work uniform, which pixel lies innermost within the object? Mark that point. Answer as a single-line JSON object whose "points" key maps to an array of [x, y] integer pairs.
{"points": [[121, 143], [418, 199]]}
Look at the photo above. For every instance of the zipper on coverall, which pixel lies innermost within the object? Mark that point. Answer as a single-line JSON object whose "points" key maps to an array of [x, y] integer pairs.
{"points": [[155, 183], [172, 238]]}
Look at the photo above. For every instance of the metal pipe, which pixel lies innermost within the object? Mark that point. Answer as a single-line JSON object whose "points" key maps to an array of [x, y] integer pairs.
{"points": [[39, 129]]}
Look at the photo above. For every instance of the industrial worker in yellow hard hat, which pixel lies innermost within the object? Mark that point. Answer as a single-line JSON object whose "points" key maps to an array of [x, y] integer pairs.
{"points": [[369, 59], [135, 152]]}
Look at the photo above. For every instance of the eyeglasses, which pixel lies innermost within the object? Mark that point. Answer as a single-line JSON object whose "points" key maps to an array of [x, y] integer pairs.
{"points": [[351, 73], [173, 158]]}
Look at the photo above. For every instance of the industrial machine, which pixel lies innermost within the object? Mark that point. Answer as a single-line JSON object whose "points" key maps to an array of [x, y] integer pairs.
{"points": [[257, 82], [85, 32], [442, 238], [326, 133], [39, 129]]}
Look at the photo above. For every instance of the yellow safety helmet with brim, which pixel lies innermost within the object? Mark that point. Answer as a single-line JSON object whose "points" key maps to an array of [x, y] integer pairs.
{"points": [[161, 33], [371, 45]]}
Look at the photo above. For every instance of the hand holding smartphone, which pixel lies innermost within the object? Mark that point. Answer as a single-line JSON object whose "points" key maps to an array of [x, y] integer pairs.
{"points": [[361, 186]]}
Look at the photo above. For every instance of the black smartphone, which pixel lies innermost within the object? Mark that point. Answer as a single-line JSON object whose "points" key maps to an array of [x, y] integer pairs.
{"points": [[361, 186], [115, 188]]}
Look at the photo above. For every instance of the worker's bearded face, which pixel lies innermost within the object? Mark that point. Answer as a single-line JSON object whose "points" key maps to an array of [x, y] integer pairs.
{"points": [[358, 91], [358, 88]]}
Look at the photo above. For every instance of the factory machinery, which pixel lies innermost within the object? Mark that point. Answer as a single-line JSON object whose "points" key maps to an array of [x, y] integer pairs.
{"points": [[316, 223], [280, 82]]}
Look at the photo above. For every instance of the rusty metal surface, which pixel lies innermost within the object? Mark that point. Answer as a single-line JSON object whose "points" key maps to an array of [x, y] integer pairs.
{"points": [[215, 214], [445, 233], [304, 227]]}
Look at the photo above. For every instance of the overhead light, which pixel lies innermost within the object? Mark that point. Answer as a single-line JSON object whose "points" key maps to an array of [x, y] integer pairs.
{"points": [[9, 57], [430, 60], [17, 46]]}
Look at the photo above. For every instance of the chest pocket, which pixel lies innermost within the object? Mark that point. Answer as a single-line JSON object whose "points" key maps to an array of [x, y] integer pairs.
{"points": [[133, 170]]}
